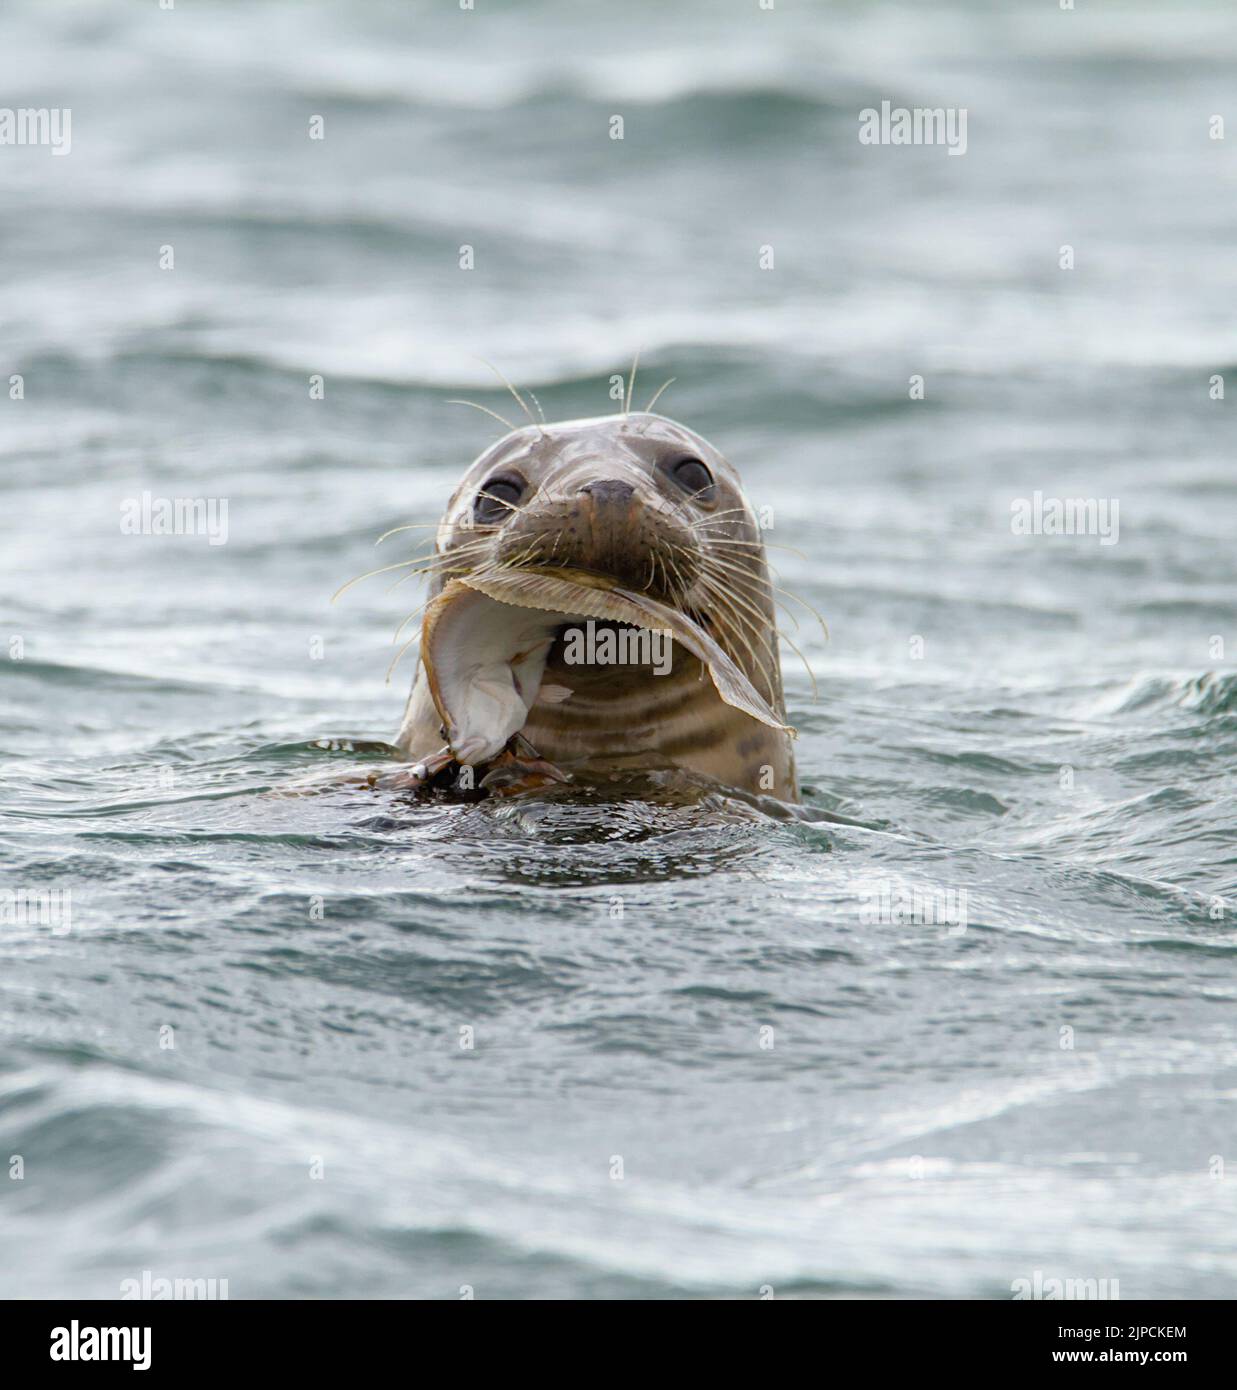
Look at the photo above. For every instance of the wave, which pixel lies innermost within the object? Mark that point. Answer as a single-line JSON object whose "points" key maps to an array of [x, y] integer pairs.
{"points": [[1207, 694], [127, 1171]]}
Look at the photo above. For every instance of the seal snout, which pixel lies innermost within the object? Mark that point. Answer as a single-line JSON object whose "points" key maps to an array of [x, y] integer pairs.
{"points": [[611, 526], [613, 531], [609, 492]]}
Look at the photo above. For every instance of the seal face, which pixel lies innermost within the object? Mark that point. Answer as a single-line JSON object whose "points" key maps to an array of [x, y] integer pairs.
{"points": [[607, 529]]}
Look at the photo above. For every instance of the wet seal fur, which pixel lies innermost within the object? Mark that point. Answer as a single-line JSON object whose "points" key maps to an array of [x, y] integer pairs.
{"points": [[632, 519]]}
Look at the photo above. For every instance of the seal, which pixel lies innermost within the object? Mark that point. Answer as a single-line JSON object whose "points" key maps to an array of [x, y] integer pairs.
{"points": [[600, 604]]}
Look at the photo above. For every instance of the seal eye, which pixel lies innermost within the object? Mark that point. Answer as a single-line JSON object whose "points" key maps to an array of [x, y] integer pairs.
{"points": [[497, 497], [692, 476]]}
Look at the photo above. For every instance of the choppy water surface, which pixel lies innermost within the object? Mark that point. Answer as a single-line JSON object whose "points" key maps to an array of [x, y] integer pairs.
{"points": [[795, 1095]]}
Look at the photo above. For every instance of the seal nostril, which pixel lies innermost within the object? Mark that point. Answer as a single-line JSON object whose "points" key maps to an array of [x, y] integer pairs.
{"points": [[608, 491]]}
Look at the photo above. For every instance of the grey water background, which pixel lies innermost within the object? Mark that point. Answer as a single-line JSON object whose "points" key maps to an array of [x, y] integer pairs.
{"points": [[1058, 744]]}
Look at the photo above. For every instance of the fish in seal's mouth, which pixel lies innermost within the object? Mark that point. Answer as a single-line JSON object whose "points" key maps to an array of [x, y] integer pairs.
{"points": [[487, 636]]}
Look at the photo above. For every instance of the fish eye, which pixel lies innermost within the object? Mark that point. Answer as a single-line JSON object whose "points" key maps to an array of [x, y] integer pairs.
{"points": [[497, 497], [693, 477]]}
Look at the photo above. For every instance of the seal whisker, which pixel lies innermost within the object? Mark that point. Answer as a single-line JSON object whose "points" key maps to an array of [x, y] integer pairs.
{"points": [[693, 522], [811, 675], [412, 641], [824, 626], [415, 612], [741, 629], [459, 551], [681, 585], [668, 579], [758, 584], [756, 545], [386, 569], [745, 597], [502, 420], [657, 394], [718, 526], [444, 562], [738, 577], [778, 589], [779, 608], [756, 617], [631, 384], [735, 642], [428, 570], [510, 506], [665, 574], [678, 574], [421, 526], [712, 520], [522, 403], [416, 565], [675, 578], [714, 516], [782, 636], [464, 547]]}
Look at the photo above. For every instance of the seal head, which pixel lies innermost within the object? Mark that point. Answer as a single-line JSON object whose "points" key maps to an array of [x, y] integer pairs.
{"points": [[625, 523]]}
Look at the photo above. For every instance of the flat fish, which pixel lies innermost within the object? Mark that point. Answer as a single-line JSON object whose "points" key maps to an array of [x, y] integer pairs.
{"points": [[486, 638]]}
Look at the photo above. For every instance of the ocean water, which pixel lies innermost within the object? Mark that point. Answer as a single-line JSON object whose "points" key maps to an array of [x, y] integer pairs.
{"points": [[342, 1044]]}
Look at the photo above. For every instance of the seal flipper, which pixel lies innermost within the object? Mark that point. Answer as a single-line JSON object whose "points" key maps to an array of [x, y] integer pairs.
{"points": [[426, 773], [520, 768]]}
